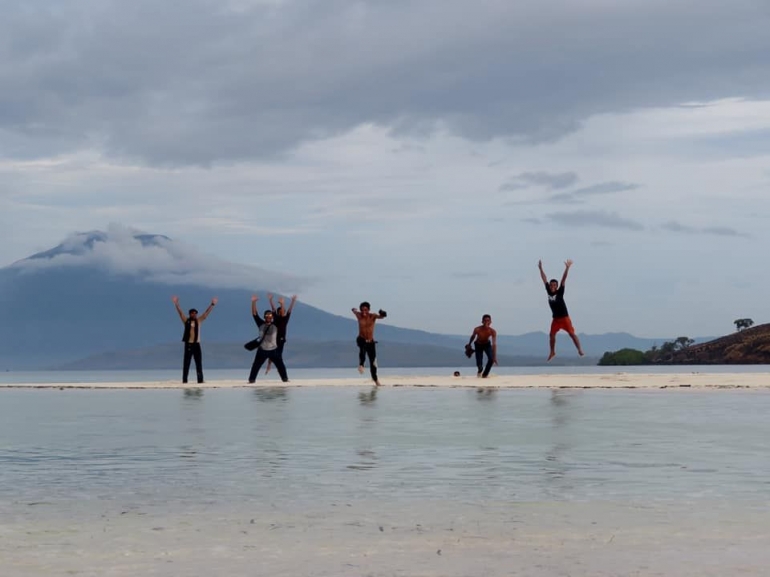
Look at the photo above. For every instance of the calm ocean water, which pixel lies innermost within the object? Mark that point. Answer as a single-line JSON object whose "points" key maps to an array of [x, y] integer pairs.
{"points": [[306, 444], [351, 481]]}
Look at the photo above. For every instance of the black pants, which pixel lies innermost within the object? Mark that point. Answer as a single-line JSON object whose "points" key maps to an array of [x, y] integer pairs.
{"points": [[260, 358], [368, 348], [480, 350], [192, 351]]}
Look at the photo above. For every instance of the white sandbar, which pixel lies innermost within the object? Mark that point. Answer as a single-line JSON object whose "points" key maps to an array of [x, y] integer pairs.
{"points": [[618, 380]]}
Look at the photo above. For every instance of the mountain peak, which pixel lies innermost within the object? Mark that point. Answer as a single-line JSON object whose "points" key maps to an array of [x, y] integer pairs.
{"points": [[126, 252], [83, 242]]}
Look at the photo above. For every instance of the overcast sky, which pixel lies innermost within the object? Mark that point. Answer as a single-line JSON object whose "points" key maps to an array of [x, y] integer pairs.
{"points": [[420, 154]]}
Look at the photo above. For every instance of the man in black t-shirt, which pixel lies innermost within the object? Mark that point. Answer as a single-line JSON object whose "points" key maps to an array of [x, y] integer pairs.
{"points": [[561, 320], [281, 318]]}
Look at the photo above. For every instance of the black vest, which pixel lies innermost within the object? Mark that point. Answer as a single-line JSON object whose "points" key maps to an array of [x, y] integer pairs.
{"points": [[188, 328]]}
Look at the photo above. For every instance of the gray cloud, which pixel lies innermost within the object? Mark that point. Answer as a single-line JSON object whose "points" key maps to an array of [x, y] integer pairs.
{"points": [[574, 196], [605, 188], [675, 226], [550, 180], [596, 218], [197, 81]]}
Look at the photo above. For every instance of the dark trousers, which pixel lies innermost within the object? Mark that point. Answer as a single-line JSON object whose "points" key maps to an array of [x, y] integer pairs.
{"points": [[260, 358], [192, 351], [368, 348], [480, 350]]}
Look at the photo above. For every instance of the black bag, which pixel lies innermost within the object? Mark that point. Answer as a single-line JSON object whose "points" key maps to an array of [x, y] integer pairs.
{"points": [[469, 351], [252, 345]]}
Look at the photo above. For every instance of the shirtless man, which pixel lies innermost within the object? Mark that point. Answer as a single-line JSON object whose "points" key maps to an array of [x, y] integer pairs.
{"points": [[365, 341], [486, 342], [561, 320]]}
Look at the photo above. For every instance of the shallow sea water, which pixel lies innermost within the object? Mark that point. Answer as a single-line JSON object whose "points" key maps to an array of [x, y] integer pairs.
{"points": [[364, 481]]}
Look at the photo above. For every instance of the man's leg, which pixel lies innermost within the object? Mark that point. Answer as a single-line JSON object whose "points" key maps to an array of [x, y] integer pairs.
{"points": [[552, 339], [371, 350], [259, 360], [198, 357], [361, 354], [576, 340], [186, 362], [479, 359], [279, 365], [488, 352]]}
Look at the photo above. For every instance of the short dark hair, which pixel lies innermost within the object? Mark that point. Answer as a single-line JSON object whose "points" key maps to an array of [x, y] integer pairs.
{"points": [[553, 280], [486, 317], [191, 311], [268, 312], [365, 304]]}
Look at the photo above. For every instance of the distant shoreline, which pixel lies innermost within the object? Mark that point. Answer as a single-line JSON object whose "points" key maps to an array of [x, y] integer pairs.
{"points": [[618, 380]]}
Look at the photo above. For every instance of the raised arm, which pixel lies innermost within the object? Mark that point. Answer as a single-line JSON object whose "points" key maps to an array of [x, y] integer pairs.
{"points": [[381, 314], [567, 265], [356, 312], [542, 272], [254, 313], [180, 312], [270, 300], [291, 304], [208, 310]]}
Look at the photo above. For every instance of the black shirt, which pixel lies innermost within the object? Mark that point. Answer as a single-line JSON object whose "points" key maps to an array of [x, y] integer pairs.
{"points": [[556, 302], [280, 321]]}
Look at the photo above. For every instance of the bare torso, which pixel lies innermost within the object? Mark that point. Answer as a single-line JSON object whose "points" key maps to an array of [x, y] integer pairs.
{"points": [[484, 334], [366, 326]]}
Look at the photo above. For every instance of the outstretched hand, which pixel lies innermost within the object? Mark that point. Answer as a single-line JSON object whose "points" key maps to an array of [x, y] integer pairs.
{"points": [[568, 263], [254, 298], [540, 264], [175, 299]]}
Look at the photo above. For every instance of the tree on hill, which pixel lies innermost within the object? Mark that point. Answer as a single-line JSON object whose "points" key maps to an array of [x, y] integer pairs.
{"points": [[656, 354], [741, 324], [624, 357]]}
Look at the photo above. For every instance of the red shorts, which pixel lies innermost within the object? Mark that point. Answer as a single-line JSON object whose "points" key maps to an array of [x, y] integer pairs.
{"points": [[562, 324]]}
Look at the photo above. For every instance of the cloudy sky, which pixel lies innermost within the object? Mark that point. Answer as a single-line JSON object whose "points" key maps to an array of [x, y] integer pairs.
{"points": [[420, 154]]}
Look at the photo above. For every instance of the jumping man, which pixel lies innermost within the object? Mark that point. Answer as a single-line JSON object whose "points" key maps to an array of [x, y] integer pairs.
{"points": [[561, 320], [365, 341]]}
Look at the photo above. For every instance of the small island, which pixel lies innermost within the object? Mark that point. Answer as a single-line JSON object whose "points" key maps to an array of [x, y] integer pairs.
{"points": [[750, 345]]}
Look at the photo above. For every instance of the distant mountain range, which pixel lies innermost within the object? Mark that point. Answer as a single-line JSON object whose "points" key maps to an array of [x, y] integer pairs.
{"points": [[106, 295]]}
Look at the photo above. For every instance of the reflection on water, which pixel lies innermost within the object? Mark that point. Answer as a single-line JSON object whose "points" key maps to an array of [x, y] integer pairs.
{"points": [[323, 443], [368, 397], [486, 393], [268, 394]]}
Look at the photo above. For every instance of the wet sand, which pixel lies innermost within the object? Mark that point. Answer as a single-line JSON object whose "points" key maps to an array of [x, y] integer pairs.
{"points": [[374, 538], [617, 380]]}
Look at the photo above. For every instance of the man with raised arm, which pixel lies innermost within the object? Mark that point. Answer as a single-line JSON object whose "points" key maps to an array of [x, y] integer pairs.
{"points": [[486, 343], [561, 320], [365, 341], [192, 337], [281, 318], [268, 344]]}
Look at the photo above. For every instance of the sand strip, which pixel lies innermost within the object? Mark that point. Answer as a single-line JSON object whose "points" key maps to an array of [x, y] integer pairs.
{"points": [[555, 381]]}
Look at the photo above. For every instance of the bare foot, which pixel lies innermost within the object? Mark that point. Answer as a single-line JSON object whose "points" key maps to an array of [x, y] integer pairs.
{"points": [[376, 383], [552, 355], [478, 375], [361, 369]]}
